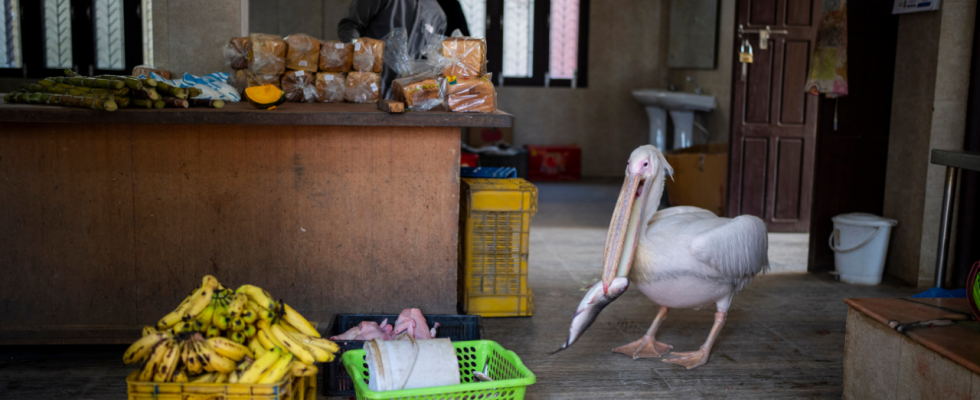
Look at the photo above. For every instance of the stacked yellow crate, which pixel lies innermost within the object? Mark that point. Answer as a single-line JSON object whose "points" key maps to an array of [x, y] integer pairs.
{"points": [[495, 224]]}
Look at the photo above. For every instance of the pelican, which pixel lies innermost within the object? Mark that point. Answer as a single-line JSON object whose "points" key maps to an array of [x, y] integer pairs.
{"points": [[680, 257]]}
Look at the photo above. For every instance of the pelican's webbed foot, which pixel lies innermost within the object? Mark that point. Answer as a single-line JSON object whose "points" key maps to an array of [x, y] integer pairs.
{"points": [[646, 347], [688, 359]]}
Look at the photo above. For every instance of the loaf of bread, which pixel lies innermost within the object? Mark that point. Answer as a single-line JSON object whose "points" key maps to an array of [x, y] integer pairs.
{"points": [[145, 70], [267, 55], [467, 56], [368, 55], [331, 87], [336, 56], [418, 92], [236, 52], [298, 86], [303, 52], [239, 79], [474, 94], [363, 87], [252, 79]]}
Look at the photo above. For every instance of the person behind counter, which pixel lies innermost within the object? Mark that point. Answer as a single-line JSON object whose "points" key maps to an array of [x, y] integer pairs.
{"points": [[376, 18]]}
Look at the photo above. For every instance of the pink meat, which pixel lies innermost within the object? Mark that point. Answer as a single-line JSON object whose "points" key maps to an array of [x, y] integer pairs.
{"points": [[412, 321], [366, 330]]}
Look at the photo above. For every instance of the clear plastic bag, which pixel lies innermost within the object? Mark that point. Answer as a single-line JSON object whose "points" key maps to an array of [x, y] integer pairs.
{"points": [[399, 58], [236, 52], [298, 86], [469, 94], [420, 92], [464, 56], [336, 56], [267, 56], [253, 79], [239, 80], [363, 87], [331, 87], [303, 52], [368, 55]]}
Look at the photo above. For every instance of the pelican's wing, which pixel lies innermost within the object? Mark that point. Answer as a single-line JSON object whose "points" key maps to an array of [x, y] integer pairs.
{"points": [[737, 249]]}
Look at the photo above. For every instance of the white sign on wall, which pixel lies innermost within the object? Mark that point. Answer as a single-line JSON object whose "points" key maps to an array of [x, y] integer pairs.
{"points": [[911, 6]]}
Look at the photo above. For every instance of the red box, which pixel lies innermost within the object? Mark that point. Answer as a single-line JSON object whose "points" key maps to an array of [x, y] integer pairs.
{"points": [[554, 163], [469, 160]]}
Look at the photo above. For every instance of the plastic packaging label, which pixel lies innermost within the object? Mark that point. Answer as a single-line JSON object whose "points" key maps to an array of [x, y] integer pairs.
{"points": [[302, 63], [339, 45], [451, 79], [301, 73], [357, 46], [374, 88], [328, 77]]}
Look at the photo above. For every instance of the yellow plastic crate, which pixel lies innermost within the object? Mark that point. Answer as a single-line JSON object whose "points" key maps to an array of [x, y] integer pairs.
{"points": [[495, 224], [288, 389]]}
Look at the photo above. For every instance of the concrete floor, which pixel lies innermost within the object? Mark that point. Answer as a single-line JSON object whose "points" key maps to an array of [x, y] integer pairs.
{"points": [[784, 337]]}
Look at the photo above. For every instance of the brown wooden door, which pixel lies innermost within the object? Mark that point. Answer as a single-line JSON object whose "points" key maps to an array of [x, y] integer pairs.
{"points": [[773, 119]]}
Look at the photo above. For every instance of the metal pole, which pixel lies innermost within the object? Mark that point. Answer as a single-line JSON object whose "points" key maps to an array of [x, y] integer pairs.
{"points": [[945, 227]]}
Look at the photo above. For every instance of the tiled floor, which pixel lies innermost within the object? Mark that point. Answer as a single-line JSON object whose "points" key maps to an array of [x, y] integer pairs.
{"points": [[784, 337]]}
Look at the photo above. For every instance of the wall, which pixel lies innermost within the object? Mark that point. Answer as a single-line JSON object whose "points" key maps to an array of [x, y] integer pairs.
{"points": [[627, 50], [716, 82], [188, 35], [317, 18], [932, 67]]}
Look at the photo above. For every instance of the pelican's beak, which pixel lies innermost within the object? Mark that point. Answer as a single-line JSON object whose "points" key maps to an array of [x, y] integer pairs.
{"points": [[623, 229]]}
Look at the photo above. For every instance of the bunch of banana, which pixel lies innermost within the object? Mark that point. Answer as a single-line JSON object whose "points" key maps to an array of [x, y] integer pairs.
{"points": [[217, 335]]}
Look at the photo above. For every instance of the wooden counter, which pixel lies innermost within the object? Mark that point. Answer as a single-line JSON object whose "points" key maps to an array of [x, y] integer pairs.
{"points": [[108, 220]]}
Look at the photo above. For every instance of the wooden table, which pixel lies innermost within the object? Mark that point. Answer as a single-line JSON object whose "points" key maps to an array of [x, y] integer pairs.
{"points": [[108, 220], [929, 361]]}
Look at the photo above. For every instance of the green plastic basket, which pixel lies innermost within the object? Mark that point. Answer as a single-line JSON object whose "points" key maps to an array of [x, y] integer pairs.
{"points": [[510, 376]]}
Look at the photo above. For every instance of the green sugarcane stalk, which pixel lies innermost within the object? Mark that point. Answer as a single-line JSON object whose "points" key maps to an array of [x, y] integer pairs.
{"points": [[48, 82], [91, 82], [131, 82], [193, 92], [159, 103], [69, 73], [143, 103], [175, 102], [150, 82], [86, 101], [123, 102], [206, 103], [146, 93], [171, 91]]}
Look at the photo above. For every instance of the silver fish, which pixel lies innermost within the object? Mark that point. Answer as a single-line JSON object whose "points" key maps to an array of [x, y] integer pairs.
{"points": [[590, 307]]}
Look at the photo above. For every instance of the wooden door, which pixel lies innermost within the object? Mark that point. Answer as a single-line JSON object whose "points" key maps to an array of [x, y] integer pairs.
{"points": [[773, 119]]}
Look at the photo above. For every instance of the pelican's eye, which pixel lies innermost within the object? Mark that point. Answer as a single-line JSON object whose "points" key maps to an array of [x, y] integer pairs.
{"points": [[645, 164]]}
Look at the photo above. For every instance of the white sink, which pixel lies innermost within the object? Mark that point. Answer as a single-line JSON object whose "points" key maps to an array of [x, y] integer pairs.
{"points": [[681, 106]]}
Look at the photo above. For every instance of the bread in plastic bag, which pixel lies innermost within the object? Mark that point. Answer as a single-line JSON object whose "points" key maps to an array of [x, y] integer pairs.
{"points": [[419, 92], [470, 94], [368, 55], [331, 87], [146, 70], [298, 86], [239, 80], [236, 52], [465, 56], [268, 55], [302, 52], [253, 79], [336, 56], [363, 87]]}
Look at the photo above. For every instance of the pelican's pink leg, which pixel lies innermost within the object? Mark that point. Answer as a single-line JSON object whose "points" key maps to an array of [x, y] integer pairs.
{"points": [[694, 359], [648, 346]]}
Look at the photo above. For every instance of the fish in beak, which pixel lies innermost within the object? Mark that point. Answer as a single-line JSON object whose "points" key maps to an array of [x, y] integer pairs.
{"points": [[621, 240]]}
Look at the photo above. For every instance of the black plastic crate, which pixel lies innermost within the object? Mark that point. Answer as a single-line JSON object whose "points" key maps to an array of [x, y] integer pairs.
{"points": [[518, 162], [336, 381]]}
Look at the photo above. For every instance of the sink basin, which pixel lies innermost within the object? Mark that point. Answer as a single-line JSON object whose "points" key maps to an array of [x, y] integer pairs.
{"points": [[674, 100], [682, 107]]}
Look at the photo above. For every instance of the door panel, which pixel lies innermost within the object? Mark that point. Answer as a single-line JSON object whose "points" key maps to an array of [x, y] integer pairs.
{"points": [[774, 124]]}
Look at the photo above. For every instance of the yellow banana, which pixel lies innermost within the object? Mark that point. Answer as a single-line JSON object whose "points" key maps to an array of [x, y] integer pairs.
{"points": [[164, 362], [292, 346], [289, 327], [299, 368], [271, 336], [296, 320], [250, 331], [167, 367], [142, 347], [320, 354], [234, 376], [248, 316], [149, 330], [212, 282], [177, 314], [256, 346], [212, 331], [237, 324], [229, 349], [278, 370], [204, 378], [264, 314], [189, 357], [218, 362], [180, 376], [200, 303], [221, 378], [238, 337], [310, 393], [322, 343], [199, 326], [260, 366], [222, 322], [150, 367], [238, 303], [259, 296], [208, 313], [265, 340]]}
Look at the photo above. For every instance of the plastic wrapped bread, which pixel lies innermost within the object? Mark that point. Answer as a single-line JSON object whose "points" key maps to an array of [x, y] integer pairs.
{"points": [[236, 52], [336, 56], [331, 87], [368, 55], [470, 94], [363, 87], [465, 56], [146, 70], [298, 86], [252, 79], [239, 79], [418, 92], [268, 55], [302, 52]]}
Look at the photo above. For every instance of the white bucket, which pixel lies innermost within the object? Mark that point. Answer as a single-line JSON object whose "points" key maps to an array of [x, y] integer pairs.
{"points": [[411, 364], [860, 244]]}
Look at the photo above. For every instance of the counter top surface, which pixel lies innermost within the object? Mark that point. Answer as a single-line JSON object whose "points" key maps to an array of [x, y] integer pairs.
{"points": [[243, 113]]}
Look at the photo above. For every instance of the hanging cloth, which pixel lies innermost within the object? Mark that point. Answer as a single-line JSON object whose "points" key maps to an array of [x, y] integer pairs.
{"points": [[828, 65]]}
